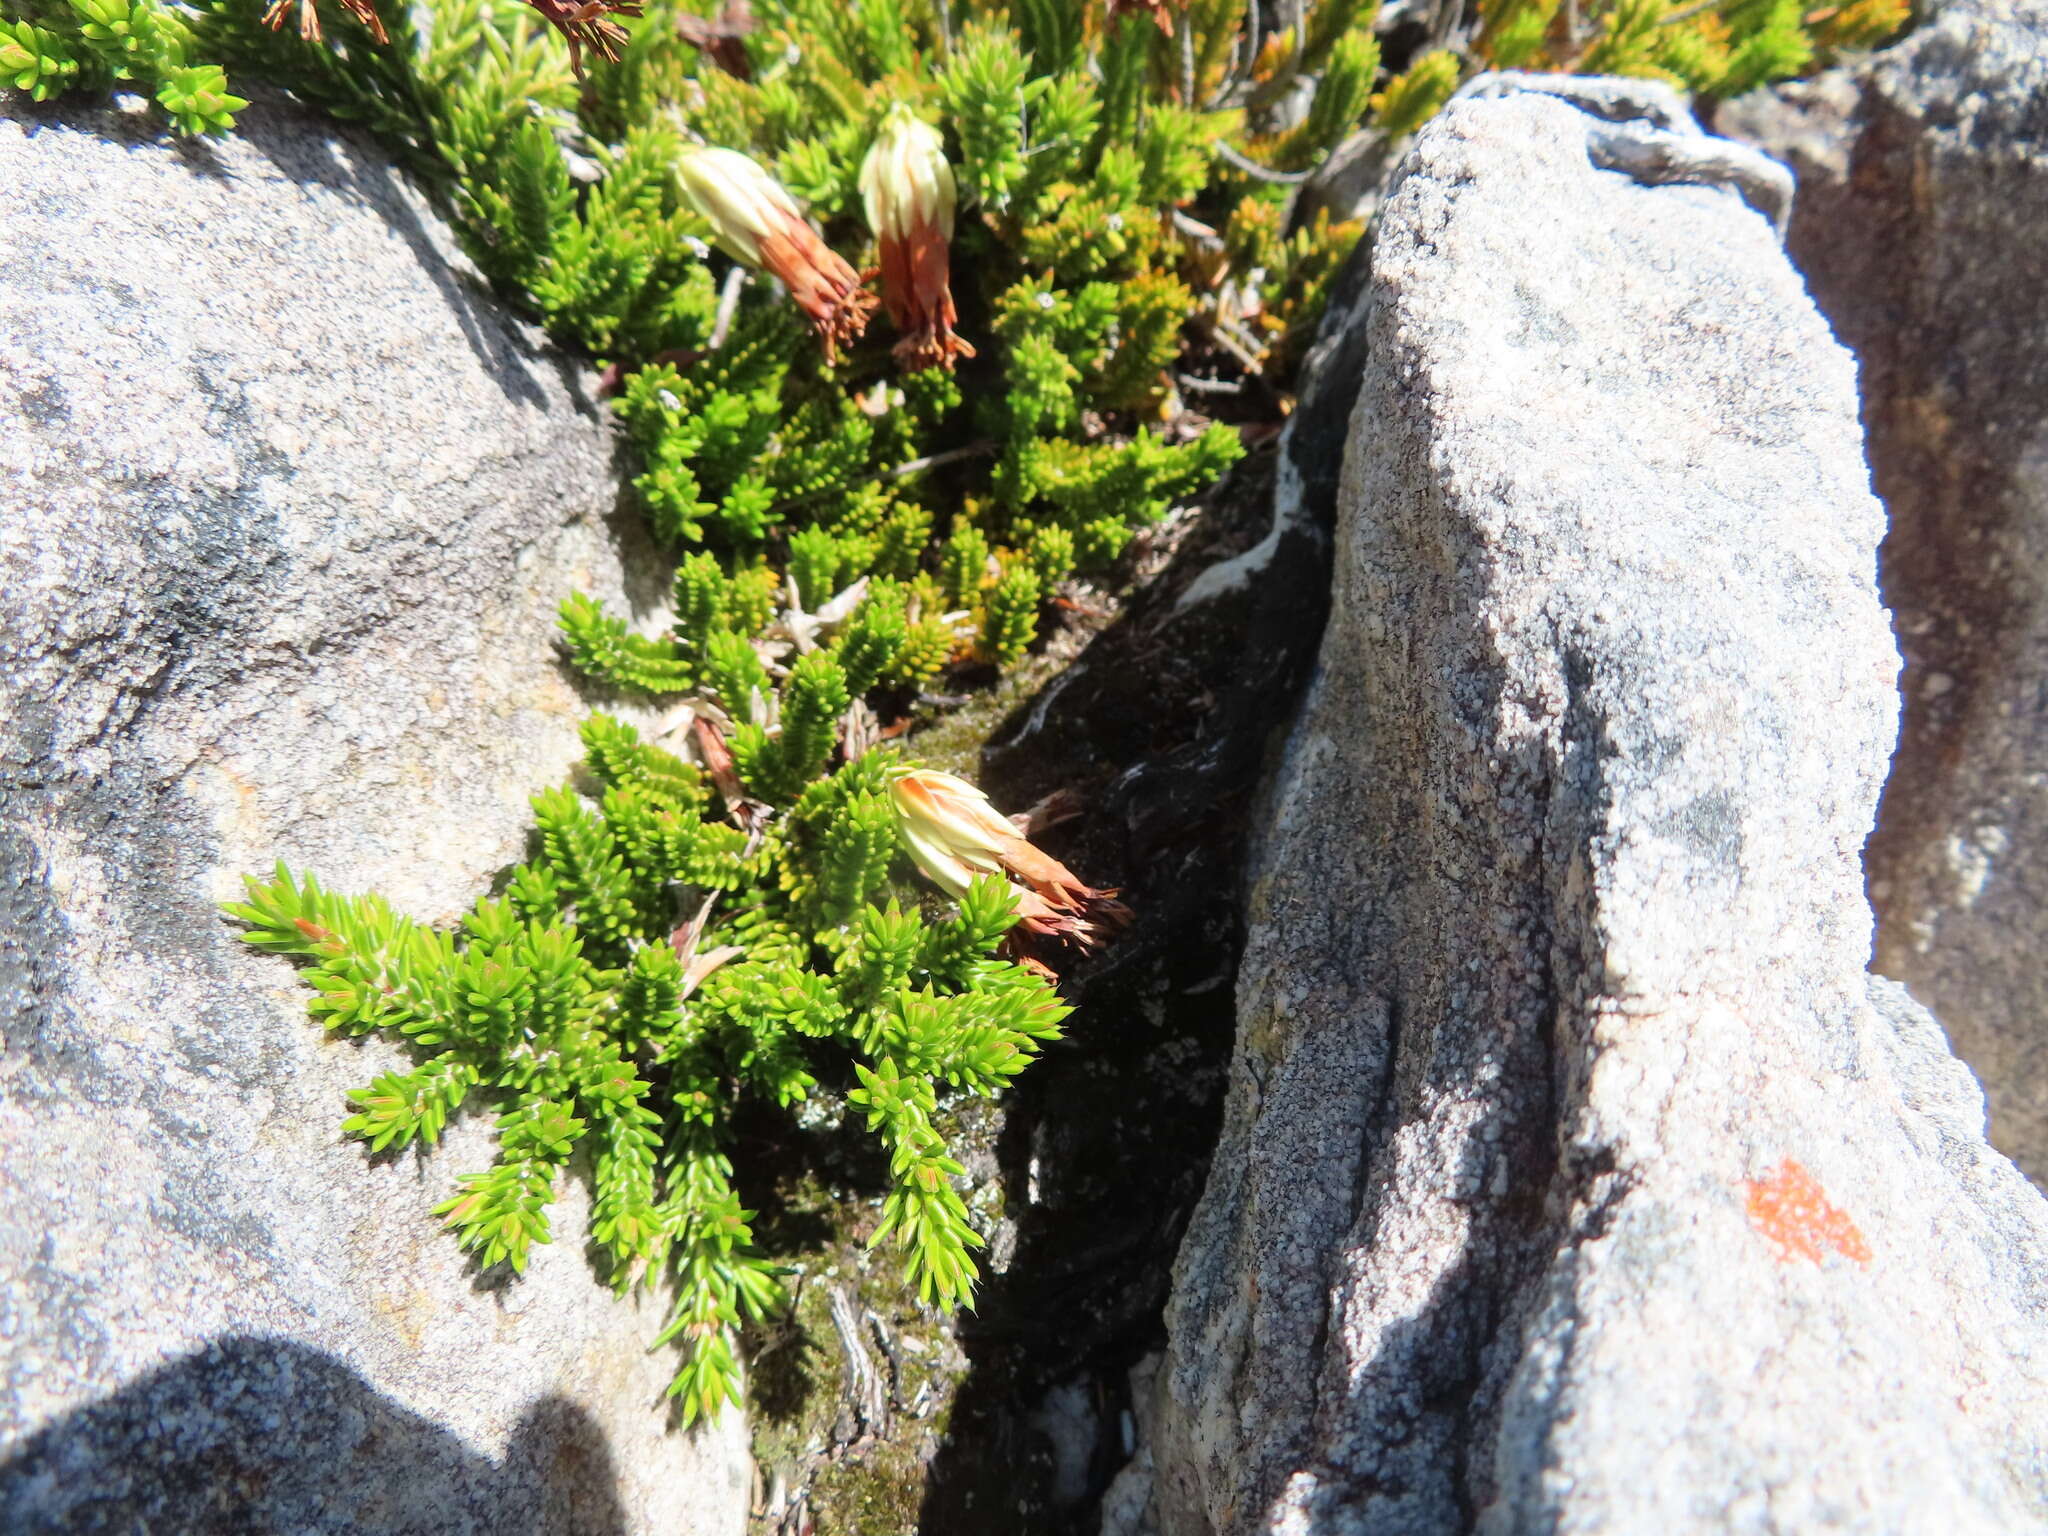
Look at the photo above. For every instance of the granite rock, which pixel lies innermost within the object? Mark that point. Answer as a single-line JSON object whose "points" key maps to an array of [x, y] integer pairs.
{"points": [[1575, 1173], [1921, 223], [290, 504]]}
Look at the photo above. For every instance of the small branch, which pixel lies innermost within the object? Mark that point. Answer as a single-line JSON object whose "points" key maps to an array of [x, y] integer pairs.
{"points": [[1210, 386], [728, 305], [934, 460], [863, 1391], [1242, 62], [1253, 168], [1235, 348], [1197, 231]]}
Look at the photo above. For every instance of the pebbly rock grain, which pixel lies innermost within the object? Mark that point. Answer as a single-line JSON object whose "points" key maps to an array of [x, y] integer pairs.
{"points": [[290, 503], [1922, 225], [1575, 1174]]}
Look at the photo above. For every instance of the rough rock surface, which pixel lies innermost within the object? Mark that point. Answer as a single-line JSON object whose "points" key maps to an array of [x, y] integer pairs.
{"points": [[289, 506], [1921, 224], [1575, 1174]]}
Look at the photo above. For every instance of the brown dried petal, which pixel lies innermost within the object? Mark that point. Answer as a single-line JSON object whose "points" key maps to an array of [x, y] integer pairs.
{"points": [[824, 287]]}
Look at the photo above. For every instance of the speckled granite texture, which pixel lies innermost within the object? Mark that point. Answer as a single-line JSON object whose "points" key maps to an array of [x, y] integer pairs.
{"points": [[1575, 1175], [1922, 226], [289, 503]]}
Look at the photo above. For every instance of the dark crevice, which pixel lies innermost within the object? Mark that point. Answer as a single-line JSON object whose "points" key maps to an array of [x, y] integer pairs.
{"points": [[1165, 726]]}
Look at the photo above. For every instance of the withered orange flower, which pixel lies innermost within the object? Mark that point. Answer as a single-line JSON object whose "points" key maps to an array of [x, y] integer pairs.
{"points": [[757, 222], [309, 18], [954, 835], [588, 25], [719, 39], [910, 195]]}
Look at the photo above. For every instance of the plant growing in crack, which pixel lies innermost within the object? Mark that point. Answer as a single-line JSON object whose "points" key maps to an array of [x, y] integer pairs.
{"points": [[1099, 264], [677, 942]]}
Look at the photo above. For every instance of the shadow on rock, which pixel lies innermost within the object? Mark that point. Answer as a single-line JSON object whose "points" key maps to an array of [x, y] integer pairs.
{"points": [[259, 1435], [314, 152]]}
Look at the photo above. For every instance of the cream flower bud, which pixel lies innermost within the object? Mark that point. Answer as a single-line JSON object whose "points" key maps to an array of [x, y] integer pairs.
{"points": [[743, 204], [905, 180], [757, 222], [949, 828], [953, 835], [910, 195]]}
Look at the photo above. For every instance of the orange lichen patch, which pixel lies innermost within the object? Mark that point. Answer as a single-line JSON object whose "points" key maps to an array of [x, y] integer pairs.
{"points": [[1792, 1210]]}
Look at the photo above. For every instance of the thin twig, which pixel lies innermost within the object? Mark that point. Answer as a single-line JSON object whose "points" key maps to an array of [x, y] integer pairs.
{"points": [[1254, 24], [728, 305], [1233, 72], [934, 460], [1293, 24], [1210, 386], [1235, 348], [1197, 231], [1253, 168]]}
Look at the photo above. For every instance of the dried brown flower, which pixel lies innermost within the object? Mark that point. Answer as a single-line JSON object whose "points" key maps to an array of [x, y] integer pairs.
{"points": [[309, 18], [954, 835], [588, 25]]}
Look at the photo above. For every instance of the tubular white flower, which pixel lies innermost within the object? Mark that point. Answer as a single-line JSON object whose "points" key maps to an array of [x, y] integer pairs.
{"points": [[743, 204], [910, 195], [953, 835], [757, 222], [905, 180]]}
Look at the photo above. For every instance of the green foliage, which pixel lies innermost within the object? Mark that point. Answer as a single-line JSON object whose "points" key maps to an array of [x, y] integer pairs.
{"points": [[47, 47], [197, 98], [845, 534], [1715, 51], [1514, 30], [602, 647], [1339, 104], [1331, 23], [1412, 96], [565, 1007], [37, 60], [983, 88], [1010, 614]]}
